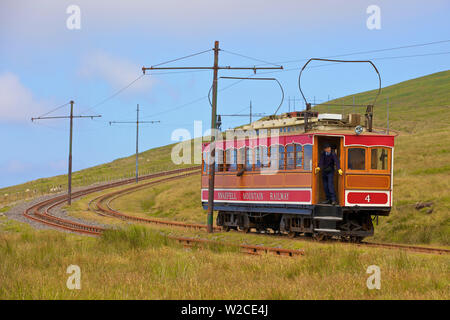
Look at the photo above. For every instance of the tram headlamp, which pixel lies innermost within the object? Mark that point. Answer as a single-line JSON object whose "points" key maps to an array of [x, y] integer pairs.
{"points": [[358, 130]]}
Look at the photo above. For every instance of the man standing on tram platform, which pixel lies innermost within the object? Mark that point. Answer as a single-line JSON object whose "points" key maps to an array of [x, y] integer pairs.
{"points": [[327, 163]]}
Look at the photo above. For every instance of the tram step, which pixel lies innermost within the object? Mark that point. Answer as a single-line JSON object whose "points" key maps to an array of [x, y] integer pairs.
{"points": [[328, 218], [327, 230], [328, 211]]}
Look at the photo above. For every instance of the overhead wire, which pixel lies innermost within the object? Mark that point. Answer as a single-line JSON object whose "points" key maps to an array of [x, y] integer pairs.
{"points": [[55, 109], [286, 70], [266, 72], [369, 51], [181, 58], [114, 94], [251, 58], [138, 78]]}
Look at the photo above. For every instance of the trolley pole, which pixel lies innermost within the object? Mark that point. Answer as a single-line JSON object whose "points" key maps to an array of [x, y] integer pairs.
{"points": [[71, 117]]}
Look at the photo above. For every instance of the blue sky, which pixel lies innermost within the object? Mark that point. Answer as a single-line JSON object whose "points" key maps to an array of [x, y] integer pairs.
{"points": [[43, 64]]}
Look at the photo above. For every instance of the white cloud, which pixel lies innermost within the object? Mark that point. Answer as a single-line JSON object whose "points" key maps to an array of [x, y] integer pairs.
{"points": [[118, 72], [16, 101]]}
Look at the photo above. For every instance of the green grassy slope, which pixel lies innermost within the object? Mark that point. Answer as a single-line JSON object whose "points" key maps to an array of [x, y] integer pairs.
{"points": [[153, 160], [419, 110]]}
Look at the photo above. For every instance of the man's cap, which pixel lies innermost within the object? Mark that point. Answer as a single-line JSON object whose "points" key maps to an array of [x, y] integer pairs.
{"points": [[326, 145]]}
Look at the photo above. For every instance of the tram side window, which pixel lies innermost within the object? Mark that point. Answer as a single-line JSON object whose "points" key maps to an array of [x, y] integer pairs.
{"points": [[264, 156], [356, 159], [307, 157], [257, 158], [219, 160], [290, 157], [298, 156], [248, 158], [281, 155], [241, 157], [274, 154], [231, 159], [379, 159]]}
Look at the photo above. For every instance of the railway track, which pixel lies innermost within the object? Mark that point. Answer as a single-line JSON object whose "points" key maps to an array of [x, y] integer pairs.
{"points": [[40, 212], [102, 206], [405, 247]]}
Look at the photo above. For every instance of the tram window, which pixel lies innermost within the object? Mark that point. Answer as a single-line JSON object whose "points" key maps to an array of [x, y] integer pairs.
{"points": [[264, 156], [240, 157], [307, 157], [248, 158], [379, 159], [274, 155], [290, 157], [231, 159], [257, 158], [281, 158], [298, 156], [356, 159], [219, 160]]}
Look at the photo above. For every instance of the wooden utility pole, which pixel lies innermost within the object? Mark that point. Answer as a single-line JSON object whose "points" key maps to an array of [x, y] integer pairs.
{"points": [[215, 69], [71, 117], [137, 137], [137, 143], [69, 201], [212, 146]]}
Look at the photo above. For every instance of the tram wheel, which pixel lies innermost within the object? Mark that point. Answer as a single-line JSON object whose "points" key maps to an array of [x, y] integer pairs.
{"points": [[245, 229], [320, 237]]}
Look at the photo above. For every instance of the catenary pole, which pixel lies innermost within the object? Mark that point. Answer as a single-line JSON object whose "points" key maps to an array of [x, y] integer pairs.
{"points": [[71, 117], [215, 69], [137, 137], [69, 196], [137, 143]]}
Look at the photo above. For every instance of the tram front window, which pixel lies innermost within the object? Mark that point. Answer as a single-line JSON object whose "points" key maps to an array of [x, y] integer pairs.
{"points": [[379, 159], [356, 159]]}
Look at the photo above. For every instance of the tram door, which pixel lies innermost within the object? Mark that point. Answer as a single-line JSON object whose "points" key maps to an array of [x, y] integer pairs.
{"points": [[336, 144]]}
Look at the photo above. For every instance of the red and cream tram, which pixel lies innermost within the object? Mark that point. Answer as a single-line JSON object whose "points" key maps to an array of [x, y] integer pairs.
{"points": [[265, 176]]}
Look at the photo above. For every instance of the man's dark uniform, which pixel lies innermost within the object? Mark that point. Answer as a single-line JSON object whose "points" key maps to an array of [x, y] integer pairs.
{"points": [[327, 163]]}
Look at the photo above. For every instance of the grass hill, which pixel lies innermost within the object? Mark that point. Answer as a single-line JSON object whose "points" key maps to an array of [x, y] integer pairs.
{"points": [[419, 109]]}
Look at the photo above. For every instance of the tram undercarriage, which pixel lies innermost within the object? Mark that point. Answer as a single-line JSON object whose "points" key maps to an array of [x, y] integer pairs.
{"points": [[321, 223]]}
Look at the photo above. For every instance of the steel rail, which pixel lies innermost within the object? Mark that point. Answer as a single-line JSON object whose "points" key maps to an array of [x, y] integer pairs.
{"points": [[104, 205], [35, 212], [40, 212]]}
